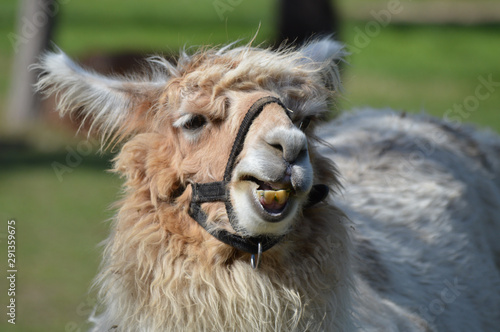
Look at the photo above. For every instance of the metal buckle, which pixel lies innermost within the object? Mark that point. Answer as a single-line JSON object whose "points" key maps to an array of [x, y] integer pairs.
{"points": [[253, 263]]}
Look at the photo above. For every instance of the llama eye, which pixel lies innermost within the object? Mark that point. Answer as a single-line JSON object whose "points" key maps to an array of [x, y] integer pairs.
{"points": [[305, 123], [194, 122]]}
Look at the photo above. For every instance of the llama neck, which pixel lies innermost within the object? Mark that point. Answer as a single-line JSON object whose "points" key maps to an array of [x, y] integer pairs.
{"points": [[154, 277]]}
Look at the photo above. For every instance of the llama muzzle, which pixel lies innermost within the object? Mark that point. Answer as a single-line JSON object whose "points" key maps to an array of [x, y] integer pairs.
{"points": [[271, 198]]}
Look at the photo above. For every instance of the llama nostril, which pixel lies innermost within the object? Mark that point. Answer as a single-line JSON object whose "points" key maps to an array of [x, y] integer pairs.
{"points": [[278, 147], [294, 154]]}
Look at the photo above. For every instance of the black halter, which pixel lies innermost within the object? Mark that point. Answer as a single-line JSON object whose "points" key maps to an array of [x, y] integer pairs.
{"points": [[219, 191]]}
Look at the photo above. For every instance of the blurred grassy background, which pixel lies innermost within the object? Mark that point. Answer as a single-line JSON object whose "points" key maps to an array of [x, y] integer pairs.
{"points": [[406, 66]]}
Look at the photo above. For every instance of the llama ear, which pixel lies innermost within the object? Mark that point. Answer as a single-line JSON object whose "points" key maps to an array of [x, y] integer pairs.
{"points": [[324, 55], [323, 50], [117, 107]]}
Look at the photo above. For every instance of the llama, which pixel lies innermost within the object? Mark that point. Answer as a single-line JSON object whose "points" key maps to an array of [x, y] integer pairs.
{"points": [[226, 223]]}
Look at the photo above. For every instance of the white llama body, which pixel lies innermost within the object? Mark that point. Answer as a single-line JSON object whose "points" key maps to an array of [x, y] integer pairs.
{"points": [[424, 196]]}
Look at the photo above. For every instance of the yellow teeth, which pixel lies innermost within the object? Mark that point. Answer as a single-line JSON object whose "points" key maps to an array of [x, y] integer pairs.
{"points": [[270, 196]]}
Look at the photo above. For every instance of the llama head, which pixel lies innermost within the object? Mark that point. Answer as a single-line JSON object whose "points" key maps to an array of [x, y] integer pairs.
{"points": [[180, 122]]}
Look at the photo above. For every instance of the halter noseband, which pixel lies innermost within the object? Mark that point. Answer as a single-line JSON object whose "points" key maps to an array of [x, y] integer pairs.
{"points": [[219, 192]]}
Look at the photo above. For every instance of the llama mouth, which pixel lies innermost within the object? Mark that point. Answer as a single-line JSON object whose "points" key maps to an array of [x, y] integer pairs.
{"points": [[271, 199]]}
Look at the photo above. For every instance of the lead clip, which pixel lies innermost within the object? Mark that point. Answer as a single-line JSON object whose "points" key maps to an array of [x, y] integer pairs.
{"points": [[253, 261]]}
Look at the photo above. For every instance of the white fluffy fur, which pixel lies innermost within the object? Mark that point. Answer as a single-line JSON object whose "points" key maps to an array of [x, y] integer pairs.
{"points": [[423, 196]]}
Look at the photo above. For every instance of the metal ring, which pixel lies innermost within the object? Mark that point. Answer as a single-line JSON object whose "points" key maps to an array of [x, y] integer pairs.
{"points": [[253, 263]]}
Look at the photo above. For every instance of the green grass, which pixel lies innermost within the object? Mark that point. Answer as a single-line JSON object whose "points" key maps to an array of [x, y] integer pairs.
{"points": [[60, 223], [58, 226], [159, 25], [425, 68]]}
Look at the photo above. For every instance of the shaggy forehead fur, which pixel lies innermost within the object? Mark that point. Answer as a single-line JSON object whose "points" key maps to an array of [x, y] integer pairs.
{"points": [[204, 81]]}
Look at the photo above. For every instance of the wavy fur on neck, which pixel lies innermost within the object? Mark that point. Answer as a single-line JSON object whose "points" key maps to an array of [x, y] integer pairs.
{"points": [[161, 286], [162, 272]]}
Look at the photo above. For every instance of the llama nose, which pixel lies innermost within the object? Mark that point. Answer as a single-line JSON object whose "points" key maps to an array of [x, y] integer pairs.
{"points": [[291, 142]]}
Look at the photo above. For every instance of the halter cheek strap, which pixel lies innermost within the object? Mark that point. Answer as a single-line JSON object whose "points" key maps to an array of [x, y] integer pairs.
{"points": [[219, 192]]}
